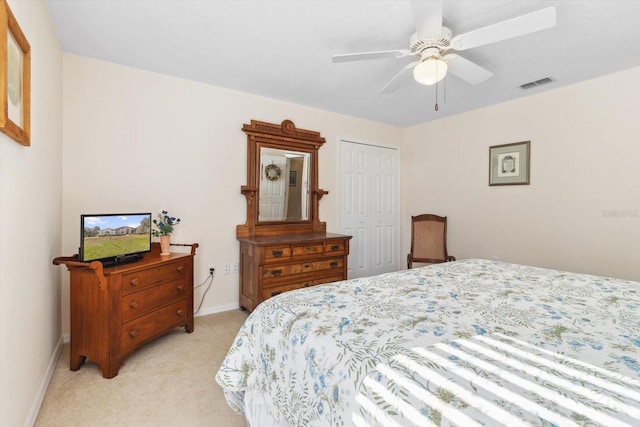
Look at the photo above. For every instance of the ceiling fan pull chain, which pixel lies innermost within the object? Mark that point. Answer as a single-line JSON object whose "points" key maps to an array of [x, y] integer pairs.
{"points": [[444, 95]]}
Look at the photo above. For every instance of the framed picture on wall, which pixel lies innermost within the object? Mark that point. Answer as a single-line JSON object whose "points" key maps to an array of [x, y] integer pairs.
{"points": [[15, 78], [509, 164], [293, 178]]}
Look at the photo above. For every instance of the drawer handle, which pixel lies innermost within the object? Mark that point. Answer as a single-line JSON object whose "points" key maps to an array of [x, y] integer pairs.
{"points": [[133, 303], [180, 288], [276, 253], [276, 272], [179, 312], [335, 247], [180, 269], [333, 264], [273, 294], [134, 282], [133, 333]]}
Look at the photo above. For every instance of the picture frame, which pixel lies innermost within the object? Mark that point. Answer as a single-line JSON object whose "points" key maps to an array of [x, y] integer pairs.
{"points": [[293, 178], [510, 164], [15, 78]]}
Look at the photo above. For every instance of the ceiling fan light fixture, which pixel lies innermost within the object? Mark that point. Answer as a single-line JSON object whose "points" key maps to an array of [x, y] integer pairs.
{"points": [[430, 71]]}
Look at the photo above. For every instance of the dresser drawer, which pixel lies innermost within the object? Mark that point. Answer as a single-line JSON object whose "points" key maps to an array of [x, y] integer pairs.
{"points": [[272, 253], [146, 278], [276, 290], [138, 303], [308, 249], [148, 326], [282, 270], [334, 248]]}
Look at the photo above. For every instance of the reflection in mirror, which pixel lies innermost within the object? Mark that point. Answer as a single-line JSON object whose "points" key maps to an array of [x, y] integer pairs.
{"points": [[284, 185]]}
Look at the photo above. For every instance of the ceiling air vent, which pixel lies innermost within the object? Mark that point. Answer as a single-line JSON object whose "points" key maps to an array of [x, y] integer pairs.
{"points": [[536, 83]]}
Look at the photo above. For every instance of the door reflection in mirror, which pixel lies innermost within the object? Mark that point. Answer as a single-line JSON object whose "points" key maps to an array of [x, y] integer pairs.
{"points": [[283, 197]]}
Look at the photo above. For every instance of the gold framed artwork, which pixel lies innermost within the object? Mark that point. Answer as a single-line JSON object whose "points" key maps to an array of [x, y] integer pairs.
{"points": [[15, 78], [509, 164]]}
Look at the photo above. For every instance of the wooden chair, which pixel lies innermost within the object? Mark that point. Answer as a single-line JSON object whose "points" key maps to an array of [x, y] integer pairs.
{"points": [[428, 240]]}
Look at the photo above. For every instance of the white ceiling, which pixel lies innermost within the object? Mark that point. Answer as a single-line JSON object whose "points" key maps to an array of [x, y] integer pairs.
{"points": [[283, 49]]}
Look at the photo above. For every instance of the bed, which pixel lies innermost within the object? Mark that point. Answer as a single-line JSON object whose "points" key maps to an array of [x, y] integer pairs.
{"points": [[471, 342]]}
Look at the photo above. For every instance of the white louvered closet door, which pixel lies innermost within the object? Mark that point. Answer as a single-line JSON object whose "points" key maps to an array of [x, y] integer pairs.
{"points": [[369, 205]]}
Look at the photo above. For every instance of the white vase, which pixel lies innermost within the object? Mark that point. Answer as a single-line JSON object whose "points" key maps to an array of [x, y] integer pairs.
{"points": [[165, 243]]}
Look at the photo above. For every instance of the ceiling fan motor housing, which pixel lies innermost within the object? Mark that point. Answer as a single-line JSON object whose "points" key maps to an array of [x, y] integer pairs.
{"points": [[417, 45]]}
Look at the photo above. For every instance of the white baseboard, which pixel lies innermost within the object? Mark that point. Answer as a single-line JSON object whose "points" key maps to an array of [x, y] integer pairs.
{"points": [[35, 408], [217, 309]]}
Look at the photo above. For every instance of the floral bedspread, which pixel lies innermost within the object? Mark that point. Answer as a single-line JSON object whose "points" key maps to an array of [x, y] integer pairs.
{"points": [[466, 342]]}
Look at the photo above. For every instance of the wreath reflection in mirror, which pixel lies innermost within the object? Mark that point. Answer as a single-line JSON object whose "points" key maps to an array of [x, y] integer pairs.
{"points": [[272, 172]]}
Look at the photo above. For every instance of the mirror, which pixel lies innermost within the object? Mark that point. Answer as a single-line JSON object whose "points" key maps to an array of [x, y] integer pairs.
{"points": [[282, 180], [284, 185]]}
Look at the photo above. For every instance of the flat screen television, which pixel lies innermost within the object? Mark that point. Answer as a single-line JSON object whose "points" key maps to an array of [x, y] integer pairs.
{"points": [[116, 238]]}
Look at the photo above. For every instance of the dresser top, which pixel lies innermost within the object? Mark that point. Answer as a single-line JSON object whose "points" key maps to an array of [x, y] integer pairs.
{"points": [[293, 238], [149, 259]]}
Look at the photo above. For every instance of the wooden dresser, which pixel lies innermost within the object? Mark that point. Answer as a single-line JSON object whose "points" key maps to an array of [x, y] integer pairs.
{"points": [[271, 265], [284, 245], [114, 310]]}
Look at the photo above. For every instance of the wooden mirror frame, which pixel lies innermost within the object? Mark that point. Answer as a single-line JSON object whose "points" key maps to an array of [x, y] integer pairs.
{"points": [[283, 136]]}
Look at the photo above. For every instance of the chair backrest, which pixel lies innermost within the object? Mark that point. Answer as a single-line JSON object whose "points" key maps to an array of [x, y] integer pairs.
{"points": [[429, 238]]}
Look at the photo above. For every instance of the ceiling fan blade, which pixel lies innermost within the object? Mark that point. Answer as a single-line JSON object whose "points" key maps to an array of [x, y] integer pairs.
{"points": [[525, 24], [428, 18], [466, 70], [397, 79], [370, 55]]}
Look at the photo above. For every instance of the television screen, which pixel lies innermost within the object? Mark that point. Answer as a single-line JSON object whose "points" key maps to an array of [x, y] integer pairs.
{"points": [[114, 238]]}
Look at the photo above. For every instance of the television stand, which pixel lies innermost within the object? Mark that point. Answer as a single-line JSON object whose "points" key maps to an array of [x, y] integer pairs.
{"points": [[115, 310]]}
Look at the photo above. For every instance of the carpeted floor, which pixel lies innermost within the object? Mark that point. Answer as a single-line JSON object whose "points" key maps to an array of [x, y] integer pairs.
{"points": [[167, 382]]}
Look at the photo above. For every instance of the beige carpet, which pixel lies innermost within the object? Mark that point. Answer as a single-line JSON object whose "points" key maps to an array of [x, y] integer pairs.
{"points": [[168, 382]]}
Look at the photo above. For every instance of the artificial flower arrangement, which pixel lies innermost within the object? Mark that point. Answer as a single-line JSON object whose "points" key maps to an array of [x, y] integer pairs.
{"points": [[164, 224]]}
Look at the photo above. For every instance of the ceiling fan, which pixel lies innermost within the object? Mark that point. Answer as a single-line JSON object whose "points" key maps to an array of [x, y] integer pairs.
{"points": [[432, 40]]}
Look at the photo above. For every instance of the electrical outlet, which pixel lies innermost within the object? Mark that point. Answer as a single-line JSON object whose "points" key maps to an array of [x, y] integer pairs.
{"points": [[227, 269], [235, 268], [212, 270]]}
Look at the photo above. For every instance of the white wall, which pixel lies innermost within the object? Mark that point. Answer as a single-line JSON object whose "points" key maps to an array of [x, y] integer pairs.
{"points": [[30, 218], [581, 211], [140, 141]]}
